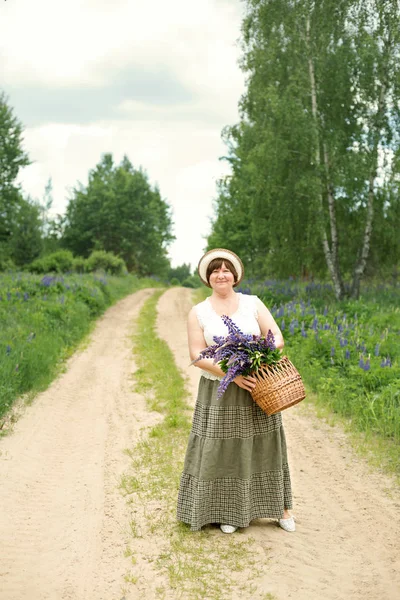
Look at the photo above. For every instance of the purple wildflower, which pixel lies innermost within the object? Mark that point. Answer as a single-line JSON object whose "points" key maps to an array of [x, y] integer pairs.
{"points": [[232, 327], [347, 354], [270, 340], [376, 351]]}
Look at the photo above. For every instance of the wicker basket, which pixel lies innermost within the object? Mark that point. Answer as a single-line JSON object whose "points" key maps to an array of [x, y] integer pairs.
{"points": [[278, 386]]}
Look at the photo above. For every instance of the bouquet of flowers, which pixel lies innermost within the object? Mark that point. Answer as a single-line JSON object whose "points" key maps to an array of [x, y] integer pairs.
{"points": [[240, 354]]}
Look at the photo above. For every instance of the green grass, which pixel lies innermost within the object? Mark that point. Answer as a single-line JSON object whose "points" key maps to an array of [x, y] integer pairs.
{"points": [[196, 564], [43, 320]]}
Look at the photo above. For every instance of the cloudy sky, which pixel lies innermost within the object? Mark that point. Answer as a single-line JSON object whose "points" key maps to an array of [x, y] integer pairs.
{"points": [[154, 79]]}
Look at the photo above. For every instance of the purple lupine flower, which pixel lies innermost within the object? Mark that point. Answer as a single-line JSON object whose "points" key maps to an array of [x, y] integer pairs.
{"points": [[270, 340], [325, 311], [232, 327], [343, 342], [283, 325], [367, 365], [303, 331], [291, 327], [26, 296], [281, 311], [376, 351], [225, 381], [8, 296], [47, 280], [314, 324], [386, 362], [8, 349], [326, 327], [332, 351], [347, 354], [361, 362]]}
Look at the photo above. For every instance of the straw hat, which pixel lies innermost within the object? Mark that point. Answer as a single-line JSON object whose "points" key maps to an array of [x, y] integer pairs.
{"points": [[220, 253]]}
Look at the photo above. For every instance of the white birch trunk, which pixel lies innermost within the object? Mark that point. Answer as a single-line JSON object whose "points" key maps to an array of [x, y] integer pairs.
{"points": [[331, 255]]}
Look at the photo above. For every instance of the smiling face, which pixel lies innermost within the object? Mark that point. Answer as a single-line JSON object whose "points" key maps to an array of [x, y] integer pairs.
{"points": [[221, 273]]}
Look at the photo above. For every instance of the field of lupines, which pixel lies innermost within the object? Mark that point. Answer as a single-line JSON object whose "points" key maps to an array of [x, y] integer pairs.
{"points": [[43, 318], [347, 352]]}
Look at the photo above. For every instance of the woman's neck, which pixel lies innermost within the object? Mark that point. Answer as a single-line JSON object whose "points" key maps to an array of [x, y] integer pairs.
{"points": [[223, 296]]}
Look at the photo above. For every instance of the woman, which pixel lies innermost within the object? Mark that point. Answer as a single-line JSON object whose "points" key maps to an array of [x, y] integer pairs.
{"points": [[236, 466]]}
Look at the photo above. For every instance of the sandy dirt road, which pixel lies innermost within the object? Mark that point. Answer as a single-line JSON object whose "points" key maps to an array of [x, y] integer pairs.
{"points": [[347, 543], [64, 523]]}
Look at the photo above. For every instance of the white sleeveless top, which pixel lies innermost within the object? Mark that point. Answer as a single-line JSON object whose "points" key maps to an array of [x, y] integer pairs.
{"points": [[212, 324]]}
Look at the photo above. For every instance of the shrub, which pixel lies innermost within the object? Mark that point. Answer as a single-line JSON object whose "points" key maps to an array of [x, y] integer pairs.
{"points": [[6, 264], [57, 262], [192, 282], [106, 261], [79, 264], [174, 281]]}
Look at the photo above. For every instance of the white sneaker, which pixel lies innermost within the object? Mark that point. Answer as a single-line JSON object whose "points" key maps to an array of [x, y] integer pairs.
{"points": [[287, 524], [228, 528]]}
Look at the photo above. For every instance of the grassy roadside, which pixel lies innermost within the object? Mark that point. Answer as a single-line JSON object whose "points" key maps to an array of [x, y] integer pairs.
{"points": [[197, 565], [43, 321]]}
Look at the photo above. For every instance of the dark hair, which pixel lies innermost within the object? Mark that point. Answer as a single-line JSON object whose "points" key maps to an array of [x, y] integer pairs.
{"points": [[216, 263]]}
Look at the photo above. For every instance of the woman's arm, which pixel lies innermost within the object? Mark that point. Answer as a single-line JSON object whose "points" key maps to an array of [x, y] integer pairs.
{"points": [[266, 321]]}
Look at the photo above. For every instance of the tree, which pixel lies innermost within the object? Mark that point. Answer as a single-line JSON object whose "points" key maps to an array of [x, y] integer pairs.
{"points": [[12, 158], [180, 273], [25, 241], [319, 116], [120, 212]]}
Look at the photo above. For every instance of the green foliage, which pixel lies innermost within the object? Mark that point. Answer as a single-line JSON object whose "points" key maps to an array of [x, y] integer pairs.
{"points": [[288, 156], [106, 261], [12, 159], [79, 265], [120, 212], [25, 242], [192, 282], [61, 261], [174, 281], [181, 273]]}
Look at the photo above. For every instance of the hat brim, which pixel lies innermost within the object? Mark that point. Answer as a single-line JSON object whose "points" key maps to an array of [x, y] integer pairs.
{"points": [[219, 253]]}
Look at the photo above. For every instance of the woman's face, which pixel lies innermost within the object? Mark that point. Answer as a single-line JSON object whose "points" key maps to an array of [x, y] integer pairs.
{"points": [[221, 278]]}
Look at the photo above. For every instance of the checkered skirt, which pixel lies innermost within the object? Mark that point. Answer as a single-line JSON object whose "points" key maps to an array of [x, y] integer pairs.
{"points": [[236, 467]]}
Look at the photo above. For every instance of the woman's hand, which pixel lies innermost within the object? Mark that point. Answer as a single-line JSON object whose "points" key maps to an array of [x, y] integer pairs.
{"points": [[246, 382]]}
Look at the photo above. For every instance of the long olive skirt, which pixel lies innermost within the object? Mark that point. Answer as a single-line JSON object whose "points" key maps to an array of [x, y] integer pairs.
{"points": [[236, 467]]}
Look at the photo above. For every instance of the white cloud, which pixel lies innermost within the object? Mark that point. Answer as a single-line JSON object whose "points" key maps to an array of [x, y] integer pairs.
{"points": [[81, 44]]}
